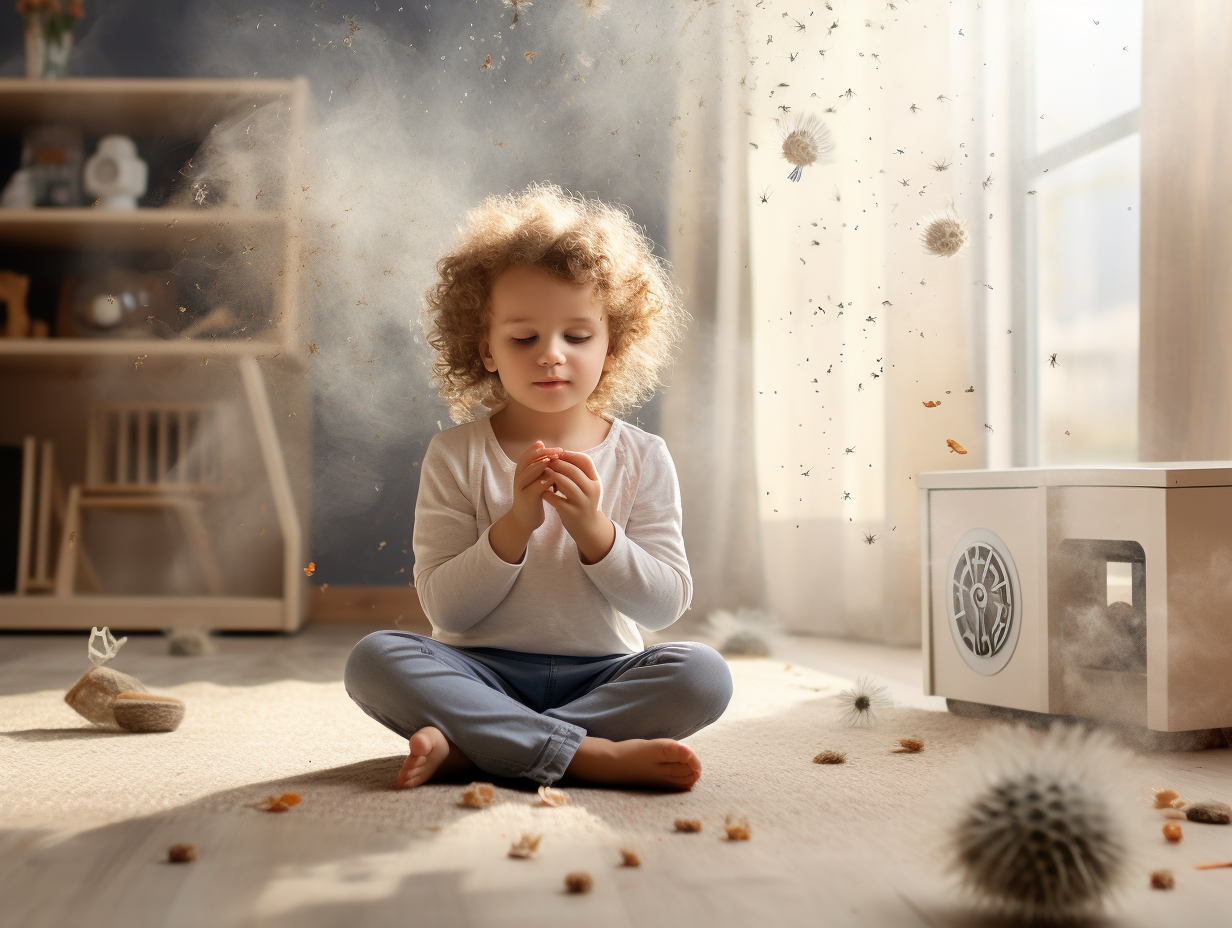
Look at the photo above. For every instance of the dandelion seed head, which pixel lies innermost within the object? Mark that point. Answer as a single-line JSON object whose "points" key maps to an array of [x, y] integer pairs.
{"points": [[806, 141], [595, 8], [860, 703], [945, 234]]}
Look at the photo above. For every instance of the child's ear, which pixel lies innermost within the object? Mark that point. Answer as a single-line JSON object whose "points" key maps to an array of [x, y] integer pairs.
{"points": [[485, 354], [607, 362]]}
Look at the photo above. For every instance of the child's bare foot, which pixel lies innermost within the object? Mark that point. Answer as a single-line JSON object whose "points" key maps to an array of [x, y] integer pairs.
{"points": [[637, 762], [431, 754]]}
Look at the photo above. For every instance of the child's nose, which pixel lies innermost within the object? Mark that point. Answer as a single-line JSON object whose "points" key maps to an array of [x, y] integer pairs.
{"points": [[552, 353]]}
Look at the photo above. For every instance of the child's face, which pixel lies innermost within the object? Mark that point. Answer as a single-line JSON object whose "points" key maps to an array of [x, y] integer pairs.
{"points": [[547, 340]]}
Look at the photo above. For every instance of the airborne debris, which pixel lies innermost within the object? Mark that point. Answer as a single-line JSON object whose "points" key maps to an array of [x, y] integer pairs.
{"points": [[478, 795], [487, 62], [550, 796], [596, 8], [869, 538], [516, 6], [806, 141], [310, 569], [528, 55], [830, 757], [932, 404], [955, 447], [525, 847], [945, 234]]}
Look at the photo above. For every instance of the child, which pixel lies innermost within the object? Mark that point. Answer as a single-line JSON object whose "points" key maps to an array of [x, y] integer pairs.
{"points": [[545, 530]]}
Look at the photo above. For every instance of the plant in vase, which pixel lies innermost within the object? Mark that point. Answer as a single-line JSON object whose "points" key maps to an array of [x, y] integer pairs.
{"points": [[49, 35]]}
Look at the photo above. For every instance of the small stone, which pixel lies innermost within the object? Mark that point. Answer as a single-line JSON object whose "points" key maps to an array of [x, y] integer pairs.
{"points": [[1210, 811], [1163, 879], [1172, 832], [689, 825], [181, 853], [579, 882], [831, 757]]}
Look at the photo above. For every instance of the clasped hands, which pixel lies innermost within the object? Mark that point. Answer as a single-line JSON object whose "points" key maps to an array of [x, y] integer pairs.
{"points": [[569, 483]]}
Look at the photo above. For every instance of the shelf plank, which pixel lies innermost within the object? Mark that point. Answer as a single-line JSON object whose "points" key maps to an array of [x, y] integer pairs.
{"points": [[143, 107], [132, 348], [143, 612], [122, 230]]}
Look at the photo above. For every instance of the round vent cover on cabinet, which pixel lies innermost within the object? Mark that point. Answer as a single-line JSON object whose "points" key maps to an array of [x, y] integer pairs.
{"points": [[984, 601]]}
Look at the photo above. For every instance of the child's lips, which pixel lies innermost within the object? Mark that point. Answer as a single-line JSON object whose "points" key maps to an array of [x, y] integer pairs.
{"points": [[550, 384]]}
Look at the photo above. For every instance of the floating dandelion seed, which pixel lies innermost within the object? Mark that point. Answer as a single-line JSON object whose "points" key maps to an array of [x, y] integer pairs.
{"points": [[595, 8], [859, 704], [945, 234], [987, 182], [869, 538], [941, 165], [806, 141], [764, 196], [913, 108], [1052, 359]]}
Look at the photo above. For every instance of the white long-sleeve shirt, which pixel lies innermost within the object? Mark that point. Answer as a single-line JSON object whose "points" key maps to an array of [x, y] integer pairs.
{"points": [[549, 602]]}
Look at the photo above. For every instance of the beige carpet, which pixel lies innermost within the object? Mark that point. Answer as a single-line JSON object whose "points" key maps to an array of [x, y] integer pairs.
{"points": [[86, 816]]}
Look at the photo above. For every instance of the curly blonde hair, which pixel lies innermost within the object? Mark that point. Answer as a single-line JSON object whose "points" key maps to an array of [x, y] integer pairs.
{"points": [[578, 241]]}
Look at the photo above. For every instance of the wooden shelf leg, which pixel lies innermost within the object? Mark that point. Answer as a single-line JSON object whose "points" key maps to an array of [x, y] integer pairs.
{"points": [[66, 563], [280, 485]]}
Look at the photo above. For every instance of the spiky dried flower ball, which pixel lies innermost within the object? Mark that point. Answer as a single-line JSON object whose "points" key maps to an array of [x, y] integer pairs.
{"points": [[945, 234], [860, 703], [1039, 832], [806, 141]]}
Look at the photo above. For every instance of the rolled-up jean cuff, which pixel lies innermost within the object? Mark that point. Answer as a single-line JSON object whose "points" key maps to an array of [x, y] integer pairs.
{"points": [[550, 765]]}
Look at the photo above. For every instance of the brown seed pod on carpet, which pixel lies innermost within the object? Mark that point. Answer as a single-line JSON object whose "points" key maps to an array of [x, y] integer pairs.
{"points": [[908, 746], [1163, 879], [831, 757], [277, 803], [579, 882], [629, 858], [689, 825], [181, 853]]}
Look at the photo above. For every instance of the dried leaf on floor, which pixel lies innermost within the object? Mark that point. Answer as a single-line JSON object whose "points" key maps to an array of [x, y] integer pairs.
{"points": [[1164, 797], [478, 795], [737, 828], [831, 757], [277, 803], [579, 882], [525, 846], [551, 796], [908, 746], [689, 825]]}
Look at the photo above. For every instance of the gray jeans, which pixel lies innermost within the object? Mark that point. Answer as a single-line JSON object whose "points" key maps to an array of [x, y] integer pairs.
{"points": [[516, 714]]}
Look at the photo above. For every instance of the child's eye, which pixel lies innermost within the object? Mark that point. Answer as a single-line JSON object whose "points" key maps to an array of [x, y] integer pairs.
{"points": [[525, 341], [578, 339]]}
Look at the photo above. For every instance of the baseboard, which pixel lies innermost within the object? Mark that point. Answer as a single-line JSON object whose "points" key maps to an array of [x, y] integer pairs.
{"points": [[368, 605]]}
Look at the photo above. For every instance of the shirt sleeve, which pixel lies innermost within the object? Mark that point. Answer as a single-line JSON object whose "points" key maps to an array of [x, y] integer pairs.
{"points": [[460, 579], [646, 574]]}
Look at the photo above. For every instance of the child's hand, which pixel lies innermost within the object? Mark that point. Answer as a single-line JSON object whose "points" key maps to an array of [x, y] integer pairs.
{"points": [[573, 474], [529, 487]]}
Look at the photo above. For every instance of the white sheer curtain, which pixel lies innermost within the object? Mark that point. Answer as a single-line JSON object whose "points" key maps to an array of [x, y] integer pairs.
{"points": [[856, 327], [707, 408]]}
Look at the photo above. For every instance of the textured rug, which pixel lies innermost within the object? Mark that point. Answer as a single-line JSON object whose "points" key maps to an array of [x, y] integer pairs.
{"points": [[87, 815]]}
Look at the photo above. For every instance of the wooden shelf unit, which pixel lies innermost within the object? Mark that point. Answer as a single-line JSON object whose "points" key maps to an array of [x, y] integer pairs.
{"points": [[183, 110]]}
